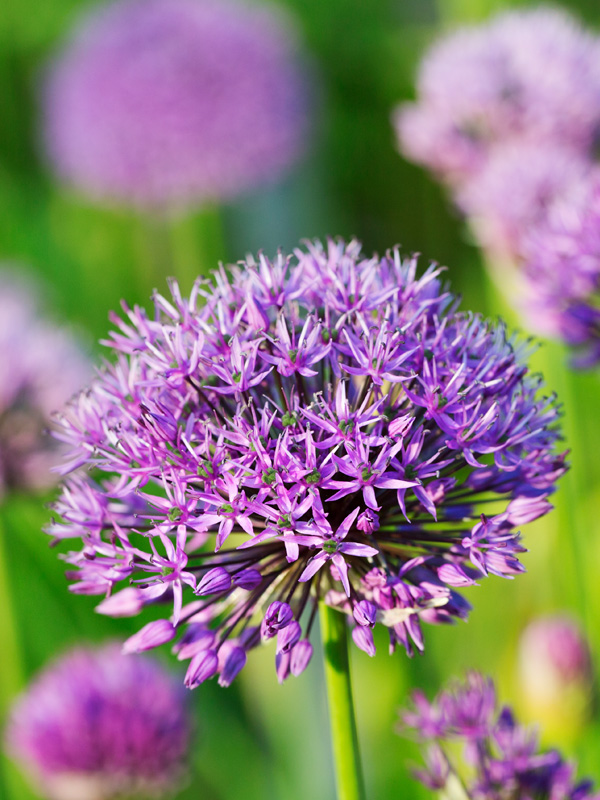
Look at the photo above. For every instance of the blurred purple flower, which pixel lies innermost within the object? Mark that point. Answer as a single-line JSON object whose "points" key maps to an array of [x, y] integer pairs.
{"points": [[508, 115], [503, 757], [514, 192], [40, 368], [557, 642], [98, 725], [351, 464], [555, 671], [532, 74], [561, 258], [165, 104]]}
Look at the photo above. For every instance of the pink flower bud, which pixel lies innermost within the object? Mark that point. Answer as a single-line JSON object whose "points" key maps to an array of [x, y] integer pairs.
{"points": [[300, 657], [202, 667], [365, 613], [248, 579], [288, 636], [214, 581], [363, 638], [234, 663], [151, 635], [126, 603]]}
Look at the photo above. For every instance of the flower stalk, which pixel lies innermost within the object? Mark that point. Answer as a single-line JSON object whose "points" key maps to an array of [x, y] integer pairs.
{"points": [[344, 736]]}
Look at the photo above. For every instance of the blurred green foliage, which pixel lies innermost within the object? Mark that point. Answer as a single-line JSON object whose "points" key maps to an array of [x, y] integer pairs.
{"points": [[259, 740]]}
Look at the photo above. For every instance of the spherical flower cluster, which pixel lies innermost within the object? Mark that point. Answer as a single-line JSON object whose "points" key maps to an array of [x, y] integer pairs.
{"points": [[98, 725], [321, 427], [164, 104], [562, 271], [503, 757], [509, 117], [532, 74], [40, 368]]}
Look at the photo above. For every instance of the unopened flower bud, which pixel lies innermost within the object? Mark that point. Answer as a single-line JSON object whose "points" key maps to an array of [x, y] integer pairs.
{"points": [[151, 635]]}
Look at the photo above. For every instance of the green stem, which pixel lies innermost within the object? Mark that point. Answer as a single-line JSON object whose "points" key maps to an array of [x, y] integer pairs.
{"points": [[570, 500], [179, 246], [11, 673], [12, 785], [344, 738], [196, 245]]}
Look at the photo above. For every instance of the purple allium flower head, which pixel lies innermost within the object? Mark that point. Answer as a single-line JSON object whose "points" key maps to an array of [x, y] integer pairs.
{"points": [[98, 725], [531, 74], [164, 104], [503, 757], [515, 190], [320, 426], [561, 269], [40, 368]]}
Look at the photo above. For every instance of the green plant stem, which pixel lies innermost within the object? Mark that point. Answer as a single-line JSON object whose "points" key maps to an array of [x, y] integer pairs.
{"points": [[344, 737], [196, 245], [11, 672], [570, 500], [12, 679], [180, 246]]}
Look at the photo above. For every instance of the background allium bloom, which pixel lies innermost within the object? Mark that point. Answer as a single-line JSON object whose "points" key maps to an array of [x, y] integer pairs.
{"points": [[503, 757], [562, 269], [514, 191], [168, 103], [555, 673], [97, 725], [531, 74], [40, 368], [324, 425]]}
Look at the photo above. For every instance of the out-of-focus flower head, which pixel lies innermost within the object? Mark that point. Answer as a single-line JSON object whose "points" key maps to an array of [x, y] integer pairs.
{"points": [[514, 192], [322, 426], [41, 366], [555, 673], [508, 115], [532, 74], [561, 257], [166, 104], [98, 725], [503, 758]]}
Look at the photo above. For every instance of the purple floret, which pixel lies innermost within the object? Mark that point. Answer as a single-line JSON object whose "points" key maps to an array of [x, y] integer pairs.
{"points": [[239, 476], [501, 758], [97, 725], [166, 104]]}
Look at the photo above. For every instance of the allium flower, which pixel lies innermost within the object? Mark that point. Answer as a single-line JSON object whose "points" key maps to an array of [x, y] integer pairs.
{"points": [[325, 426], [98, 725], [561, 258], [40, 368], [170, 103], [555, 672], [503, 758], [531, 74], [515, 190]]}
